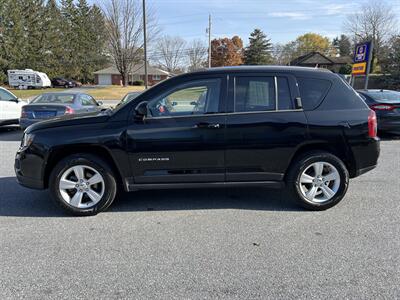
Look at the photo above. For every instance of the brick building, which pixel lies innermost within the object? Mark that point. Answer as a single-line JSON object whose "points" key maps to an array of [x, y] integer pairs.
{"points": [[111, 76]]}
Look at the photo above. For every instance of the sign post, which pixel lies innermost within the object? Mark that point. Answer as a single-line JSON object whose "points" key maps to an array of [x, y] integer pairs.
{"points": [[362, 61]]}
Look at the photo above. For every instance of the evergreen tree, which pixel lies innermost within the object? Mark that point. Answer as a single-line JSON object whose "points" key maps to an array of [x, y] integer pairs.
{"points": [[258, 51], [343, 44], [53, 48], [12, 41], [70, 39]]}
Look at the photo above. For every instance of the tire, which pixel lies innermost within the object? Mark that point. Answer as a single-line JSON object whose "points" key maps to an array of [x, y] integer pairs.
{"points": [[103, 191], [322, 193]]}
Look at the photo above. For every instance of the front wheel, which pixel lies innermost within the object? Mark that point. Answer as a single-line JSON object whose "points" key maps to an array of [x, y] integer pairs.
{"points": [[318, 180], [83, 184]]}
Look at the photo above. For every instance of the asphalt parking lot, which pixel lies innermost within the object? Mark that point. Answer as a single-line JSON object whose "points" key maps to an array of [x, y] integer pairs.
{"points": [[228, 244]]}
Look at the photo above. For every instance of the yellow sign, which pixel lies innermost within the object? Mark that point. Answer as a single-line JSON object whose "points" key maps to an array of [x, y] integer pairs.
{"points": [[359, 69]]}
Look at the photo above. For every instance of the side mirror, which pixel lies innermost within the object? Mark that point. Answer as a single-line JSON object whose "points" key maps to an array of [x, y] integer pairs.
{"points": [[141, 111], [100, 103], [193, 103], [16, 100]]}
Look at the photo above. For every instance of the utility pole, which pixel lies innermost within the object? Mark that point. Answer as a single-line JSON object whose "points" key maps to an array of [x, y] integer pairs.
{"points": [[209, 41], [145, 45]]}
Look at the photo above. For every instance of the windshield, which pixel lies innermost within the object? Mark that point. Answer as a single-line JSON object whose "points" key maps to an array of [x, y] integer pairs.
{"points": [[385, 96], [129, 97], [55, 98]]}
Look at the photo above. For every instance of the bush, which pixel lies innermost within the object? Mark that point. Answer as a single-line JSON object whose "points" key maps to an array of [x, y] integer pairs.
{"points": [[391, 82], [3, 78], [137, 82], [346, 69]]}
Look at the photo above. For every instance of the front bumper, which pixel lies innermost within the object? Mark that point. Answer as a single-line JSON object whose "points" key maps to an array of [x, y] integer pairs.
{"points": [[28, 169]]}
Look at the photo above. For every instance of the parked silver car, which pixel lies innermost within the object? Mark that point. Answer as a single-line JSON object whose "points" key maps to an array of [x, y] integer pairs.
{"points": [[51, 105]]}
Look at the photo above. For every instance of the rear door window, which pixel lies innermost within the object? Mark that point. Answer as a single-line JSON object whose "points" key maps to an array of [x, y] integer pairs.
{"points": [[255, 94], [312, 91], [88, 100]]}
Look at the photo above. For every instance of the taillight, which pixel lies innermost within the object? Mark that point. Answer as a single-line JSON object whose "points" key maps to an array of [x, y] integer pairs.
{"points": [[69, 110], [23, 113], [382, 107], [372, 125]]}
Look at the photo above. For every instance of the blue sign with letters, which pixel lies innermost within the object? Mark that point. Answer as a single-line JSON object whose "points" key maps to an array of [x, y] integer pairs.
{"points": [[361, 53]]}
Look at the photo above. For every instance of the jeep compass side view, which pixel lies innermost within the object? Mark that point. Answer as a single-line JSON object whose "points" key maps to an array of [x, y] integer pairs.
{"points": [[301, 129]]}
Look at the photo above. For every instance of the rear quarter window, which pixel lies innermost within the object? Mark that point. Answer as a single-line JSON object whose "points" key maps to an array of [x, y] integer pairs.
{"points": [[312, 91]]}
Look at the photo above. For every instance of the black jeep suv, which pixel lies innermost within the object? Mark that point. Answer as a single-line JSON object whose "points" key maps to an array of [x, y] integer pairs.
{"points": [[303, 129]]}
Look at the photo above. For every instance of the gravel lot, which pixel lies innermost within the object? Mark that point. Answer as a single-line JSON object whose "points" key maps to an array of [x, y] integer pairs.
{"points": [[197, 244]]}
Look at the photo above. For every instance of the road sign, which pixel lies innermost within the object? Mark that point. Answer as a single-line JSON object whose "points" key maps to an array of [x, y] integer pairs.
{"points": [[362, 61], [361, 53], [359, 68]]}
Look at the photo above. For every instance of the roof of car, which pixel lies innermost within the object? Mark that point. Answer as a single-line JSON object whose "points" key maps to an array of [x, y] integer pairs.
{"points": [[64, 92], [262, 69], [375, 91]]}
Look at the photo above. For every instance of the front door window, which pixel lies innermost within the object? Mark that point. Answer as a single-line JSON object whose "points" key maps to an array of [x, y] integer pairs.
{"points": [[194, 98]]}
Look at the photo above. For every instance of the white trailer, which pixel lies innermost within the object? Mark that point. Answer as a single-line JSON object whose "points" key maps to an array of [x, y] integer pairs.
{"points": [[28, 79]]}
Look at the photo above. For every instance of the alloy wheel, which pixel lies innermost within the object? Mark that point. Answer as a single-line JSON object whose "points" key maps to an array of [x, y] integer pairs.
{"points": [[319, 182], [81, 186]]}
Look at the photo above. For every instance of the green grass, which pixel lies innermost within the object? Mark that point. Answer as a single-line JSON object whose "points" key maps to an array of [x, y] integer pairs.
{"points": [[99, 93]]}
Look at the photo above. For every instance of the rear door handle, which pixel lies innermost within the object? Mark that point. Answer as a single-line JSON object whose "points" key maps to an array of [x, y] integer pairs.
{"points": [[208, 125]]}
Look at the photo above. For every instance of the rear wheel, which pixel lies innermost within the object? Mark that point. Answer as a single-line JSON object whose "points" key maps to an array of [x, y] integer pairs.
{"points": [[318, 180], [83, 184]]}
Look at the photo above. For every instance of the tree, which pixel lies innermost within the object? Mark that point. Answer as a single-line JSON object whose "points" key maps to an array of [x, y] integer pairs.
{"points": [[312, 42], [124, 31], [227, 52], [197, 55], [53, 42], [70, 37], [170, 53], [258, 51], [391, 64], [284, 54], [343, 44], [90, 31], [375, 21], [65, 39]]}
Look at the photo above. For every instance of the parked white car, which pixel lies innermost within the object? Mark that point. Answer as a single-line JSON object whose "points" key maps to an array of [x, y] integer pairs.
{"points": [[10, 107], [26, 79]]}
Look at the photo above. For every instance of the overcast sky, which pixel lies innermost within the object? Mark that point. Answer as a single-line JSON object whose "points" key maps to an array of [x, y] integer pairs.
{"points": [[281, 20]]}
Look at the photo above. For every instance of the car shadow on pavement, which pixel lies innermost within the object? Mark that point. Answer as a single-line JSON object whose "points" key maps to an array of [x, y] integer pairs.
{"points": [[17, 201], [10, 134]]}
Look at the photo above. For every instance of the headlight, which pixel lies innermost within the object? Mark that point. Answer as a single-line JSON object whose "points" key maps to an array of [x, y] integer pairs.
{"points": [[27, 140]]}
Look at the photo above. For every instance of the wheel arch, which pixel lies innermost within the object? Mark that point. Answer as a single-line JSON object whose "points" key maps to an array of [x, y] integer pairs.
{"points": [[58, 154], [338, 150]]}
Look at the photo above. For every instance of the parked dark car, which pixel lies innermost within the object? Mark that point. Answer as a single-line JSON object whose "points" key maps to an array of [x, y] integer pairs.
{"points": [[386, 104], [300, 128], [52, 105], [129, 97], [66, 83]]}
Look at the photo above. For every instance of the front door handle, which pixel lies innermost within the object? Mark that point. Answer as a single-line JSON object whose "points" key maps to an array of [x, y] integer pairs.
{"points": [[208, 125]]}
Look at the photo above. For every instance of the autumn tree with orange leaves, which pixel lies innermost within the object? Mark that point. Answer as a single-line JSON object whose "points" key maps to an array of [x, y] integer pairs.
{"points": [[227, 52]]}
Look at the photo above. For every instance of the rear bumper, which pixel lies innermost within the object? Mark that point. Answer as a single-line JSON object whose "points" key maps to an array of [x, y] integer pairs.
{"points": [[389, 124], [366, 156]]}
